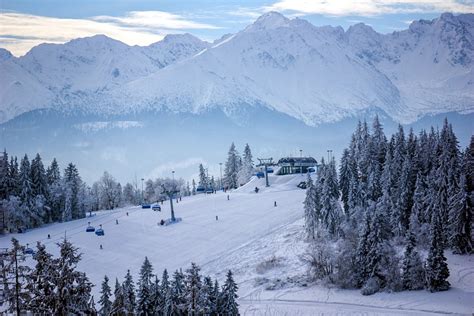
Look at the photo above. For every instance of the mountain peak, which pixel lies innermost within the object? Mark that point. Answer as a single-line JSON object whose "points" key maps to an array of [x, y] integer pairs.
{"points": [[185, 37], [5, 54], [361, 28], [269, 20]]}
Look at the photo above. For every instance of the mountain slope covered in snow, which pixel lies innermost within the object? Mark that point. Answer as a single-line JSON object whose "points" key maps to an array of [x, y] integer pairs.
{"points": [[314, 74]]}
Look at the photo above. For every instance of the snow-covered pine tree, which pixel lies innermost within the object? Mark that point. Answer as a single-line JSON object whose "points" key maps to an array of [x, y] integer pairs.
{"points": [[379, 142], [345, 178], [4, 173], [381, 261], [402, 210], [38, 192], [27, 218], [176, 302], [232, 167], [229, 296], [72, 183], [203, 181], [118, 306], [14, 177], [469, 169], [436, 267], [73, 289], [165, 290], [156, 296], [128, 286], [193, 191], [193, 285], [206, 304], [361, 257], [145, 299], [413, 272], [331, 213], [247, 166], [17, 273], [419, 221], [40, 284], [55, 191], [105, 294], [311, 220], [39, 181], [217, 299], [460, 220]]}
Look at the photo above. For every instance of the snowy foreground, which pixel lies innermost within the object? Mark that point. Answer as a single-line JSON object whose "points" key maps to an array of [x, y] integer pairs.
{"points": [[261, 243]]}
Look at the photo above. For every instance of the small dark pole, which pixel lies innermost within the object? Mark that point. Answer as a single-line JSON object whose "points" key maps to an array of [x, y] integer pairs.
{"points": [[127, 213], [275, 204], [101, 247], [217, 218], [228, 197], [116, 222]]}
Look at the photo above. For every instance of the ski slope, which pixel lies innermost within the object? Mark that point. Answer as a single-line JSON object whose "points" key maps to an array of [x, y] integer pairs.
{"points": [[199, 238], [261, 243]]}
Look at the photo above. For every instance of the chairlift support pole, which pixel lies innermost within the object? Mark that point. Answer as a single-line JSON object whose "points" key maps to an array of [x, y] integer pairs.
{"points": [[266, 162], [170, 194]]}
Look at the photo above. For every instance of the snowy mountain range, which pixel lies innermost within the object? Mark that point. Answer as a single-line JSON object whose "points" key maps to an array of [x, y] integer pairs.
{"points": [[314, 74]]}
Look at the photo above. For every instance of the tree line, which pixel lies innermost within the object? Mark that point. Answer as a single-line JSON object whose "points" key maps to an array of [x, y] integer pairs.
{"points": [[32, 195], [187, 293], [54, 286], [413, 192]]}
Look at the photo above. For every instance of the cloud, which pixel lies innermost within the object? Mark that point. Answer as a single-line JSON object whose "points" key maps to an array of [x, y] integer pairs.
{"points": [[154, 19], [20, 32], [372, 7]]}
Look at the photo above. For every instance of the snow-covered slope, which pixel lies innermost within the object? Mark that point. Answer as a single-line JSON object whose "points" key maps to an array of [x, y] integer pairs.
{"points": [[314, 74]]}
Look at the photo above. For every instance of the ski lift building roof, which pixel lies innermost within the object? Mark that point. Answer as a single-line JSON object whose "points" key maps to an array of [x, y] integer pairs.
{"points": [[297, 162]]}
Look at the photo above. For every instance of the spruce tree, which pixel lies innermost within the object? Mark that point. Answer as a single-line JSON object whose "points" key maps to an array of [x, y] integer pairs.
{"points": [[176, 302], [345, 178], [156, 296], [216, 299], [39, 181], [129, 294], [72, 184], [436, 267], [229, 296], [27, 217], [118, 306], [165, 290], [4, 176], [16, 293], [203, 180], [193, 289], [105, 302], [206, 305], [413, 273], [40, 283], [232, 168], [72, 287], [310, 209], [144, 303], [460, 219], [247, 166]]}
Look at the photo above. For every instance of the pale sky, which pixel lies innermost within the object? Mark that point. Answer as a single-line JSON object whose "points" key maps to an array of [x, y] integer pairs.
{"points": [[27, 23]]}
